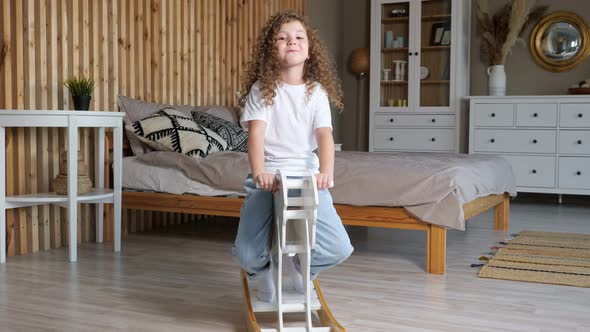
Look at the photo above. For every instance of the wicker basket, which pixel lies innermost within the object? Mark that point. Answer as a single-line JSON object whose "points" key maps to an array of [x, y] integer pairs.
{"points": [[60, 184], [82, 167], [63, 164]]}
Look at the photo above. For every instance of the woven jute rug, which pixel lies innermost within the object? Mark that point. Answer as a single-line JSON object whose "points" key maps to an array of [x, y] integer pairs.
{"points": [[543, 257]]}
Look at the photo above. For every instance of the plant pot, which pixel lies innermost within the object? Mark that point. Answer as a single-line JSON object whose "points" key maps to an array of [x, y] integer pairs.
{"points": [[496, 80], [81, 103]]}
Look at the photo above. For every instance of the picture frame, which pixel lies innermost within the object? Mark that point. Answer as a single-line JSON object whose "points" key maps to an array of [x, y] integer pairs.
{"points": [[436, 33], [446, 37]]}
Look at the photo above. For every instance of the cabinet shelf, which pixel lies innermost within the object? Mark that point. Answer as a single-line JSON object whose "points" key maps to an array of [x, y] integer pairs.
{"points": [[390, 82], [438, 17], [395, 20], [435, 82], [436, 48], [424, 48], [393, 50]]}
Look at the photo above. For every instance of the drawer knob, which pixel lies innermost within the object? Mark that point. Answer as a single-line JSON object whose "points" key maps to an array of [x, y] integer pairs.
{"points": [[534, 171], [391, 120], [578, 173], [492, 140], [433, 120], [534, 141], [391, 139], [535, 115], [580, 115], [579, 141], [493, 115], [433, 139]]}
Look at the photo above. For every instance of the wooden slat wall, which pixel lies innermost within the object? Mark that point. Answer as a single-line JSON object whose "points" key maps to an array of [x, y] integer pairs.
{"points": [[168, 51]]}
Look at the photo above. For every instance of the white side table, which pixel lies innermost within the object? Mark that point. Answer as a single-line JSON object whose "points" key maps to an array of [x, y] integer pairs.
{"points": [[72, 120]]}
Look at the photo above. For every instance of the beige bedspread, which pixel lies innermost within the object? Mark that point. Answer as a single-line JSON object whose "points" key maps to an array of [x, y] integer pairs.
{"points": [[433, 187]]}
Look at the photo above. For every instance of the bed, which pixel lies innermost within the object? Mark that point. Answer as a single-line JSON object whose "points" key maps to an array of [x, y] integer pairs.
{"points": [[427, 192], [161, 181]]}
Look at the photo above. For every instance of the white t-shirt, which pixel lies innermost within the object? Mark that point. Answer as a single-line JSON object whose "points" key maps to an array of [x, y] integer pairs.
{"points": [[290, 125]]}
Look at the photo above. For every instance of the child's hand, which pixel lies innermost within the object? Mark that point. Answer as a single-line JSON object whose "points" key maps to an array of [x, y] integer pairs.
{"points": [[324, 181], [266, 181]]}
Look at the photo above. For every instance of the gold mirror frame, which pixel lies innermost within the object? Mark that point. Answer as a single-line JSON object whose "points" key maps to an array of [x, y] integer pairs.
{"points": [[541, 28]]}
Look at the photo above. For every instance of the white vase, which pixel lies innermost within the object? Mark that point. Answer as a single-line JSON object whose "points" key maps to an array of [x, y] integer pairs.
{"points": [[496, 80]]}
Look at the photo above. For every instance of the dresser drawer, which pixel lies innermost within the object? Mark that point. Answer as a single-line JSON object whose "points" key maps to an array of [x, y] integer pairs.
{"points": [[536, 115], [574, 115], [415, 139], [574, 173], [533, 171], [519, 141], [574, 142], [494, 115], [406, 120]]}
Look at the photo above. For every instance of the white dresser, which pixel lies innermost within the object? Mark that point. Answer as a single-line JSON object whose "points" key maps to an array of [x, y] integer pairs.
{"points": [[545, 138]]}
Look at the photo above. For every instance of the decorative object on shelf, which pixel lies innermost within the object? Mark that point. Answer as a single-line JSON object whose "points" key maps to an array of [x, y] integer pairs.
{"points": [[559, 42], [389, 39], [436, 33], [496, 80], [424, 72], [399, 42], [386, 73], [446, 37], [60, 183], [499, 32], [359, 65], [399, 13], [399, 73], [582, 88], [81, 90]]}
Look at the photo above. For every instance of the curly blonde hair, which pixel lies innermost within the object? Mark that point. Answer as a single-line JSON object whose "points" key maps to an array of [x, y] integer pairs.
{"points": [[265, 68]]}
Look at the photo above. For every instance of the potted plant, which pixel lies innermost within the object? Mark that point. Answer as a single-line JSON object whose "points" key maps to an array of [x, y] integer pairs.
{"points": [[81, 90]]}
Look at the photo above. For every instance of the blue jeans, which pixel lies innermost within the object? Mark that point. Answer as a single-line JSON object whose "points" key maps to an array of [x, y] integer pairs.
{"points": [[252, 246]]}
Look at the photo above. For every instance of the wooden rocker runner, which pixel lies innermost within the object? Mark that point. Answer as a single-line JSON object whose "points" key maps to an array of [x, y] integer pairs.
{"points": [[295, 205]]}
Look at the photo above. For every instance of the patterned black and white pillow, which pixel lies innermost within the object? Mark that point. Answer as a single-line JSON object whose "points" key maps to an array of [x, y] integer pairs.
{"points": [[236, 137], [171, 130]]}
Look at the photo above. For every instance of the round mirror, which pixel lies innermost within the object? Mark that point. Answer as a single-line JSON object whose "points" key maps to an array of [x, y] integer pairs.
{"points": [[560, 41]]}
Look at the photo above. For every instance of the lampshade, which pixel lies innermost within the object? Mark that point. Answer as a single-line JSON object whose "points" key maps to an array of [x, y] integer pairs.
{"points": [[359, 61]]}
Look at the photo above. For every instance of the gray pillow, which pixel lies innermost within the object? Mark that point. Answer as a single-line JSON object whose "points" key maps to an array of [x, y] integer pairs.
{"points": [[235, 136], [136, 110]]}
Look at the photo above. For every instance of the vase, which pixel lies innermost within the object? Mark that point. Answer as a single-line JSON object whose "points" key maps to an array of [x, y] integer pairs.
{"points": [[81, 103], [496, 80]]}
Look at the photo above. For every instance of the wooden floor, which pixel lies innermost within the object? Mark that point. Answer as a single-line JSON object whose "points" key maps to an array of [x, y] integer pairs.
{"points": [[187, 282]]}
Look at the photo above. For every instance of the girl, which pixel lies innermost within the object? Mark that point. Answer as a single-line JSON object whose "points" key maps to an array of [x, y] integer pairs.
{"points": [[286, 110]]}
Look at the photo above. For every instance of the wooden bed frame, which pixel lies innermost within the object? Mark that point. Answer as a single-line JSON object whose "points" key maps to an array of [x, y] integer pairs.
{"points": [[370, 216]]}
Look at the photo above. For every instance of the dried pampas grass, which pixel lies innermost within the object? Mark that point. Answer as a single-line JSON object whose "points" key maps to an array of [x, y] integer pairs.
{"points": [[501, 31]]}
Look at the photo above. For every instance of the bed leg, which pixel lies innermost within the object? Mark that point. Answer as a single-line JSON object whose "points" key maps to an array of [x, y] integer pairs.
{"points": [[502, 215], [436, 249]]}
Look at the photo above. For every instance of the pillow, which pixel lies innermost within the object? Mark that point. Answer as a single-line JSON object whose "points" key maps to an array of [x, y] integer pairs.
{"points": [[171, 130], [136, 110], [233, 134]]}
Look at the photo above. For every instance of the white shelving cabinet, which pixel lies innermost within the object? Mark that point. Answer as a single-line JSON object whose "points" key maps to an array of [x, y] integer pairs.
{"points": [[410, 112], [72, 120]]}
